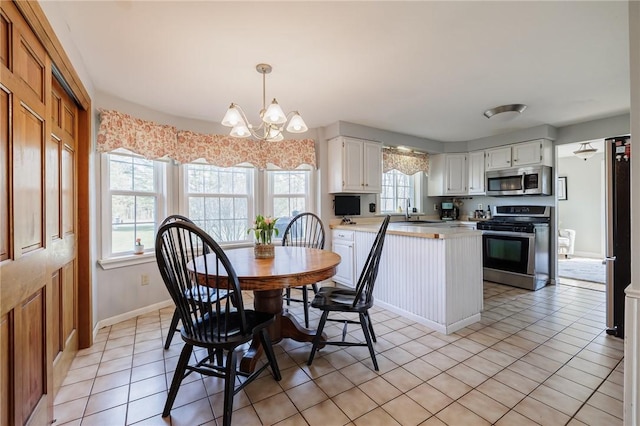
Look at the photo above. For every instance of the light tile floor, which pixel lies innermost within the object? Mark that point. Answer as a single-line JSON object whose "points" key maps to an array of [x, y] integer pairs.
{"points": [[535, 358]]}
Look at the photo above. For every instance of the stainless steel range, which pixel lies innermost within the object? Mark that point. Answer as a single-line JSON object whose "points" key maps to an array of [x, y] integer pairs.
{"points": [[515, 246]]}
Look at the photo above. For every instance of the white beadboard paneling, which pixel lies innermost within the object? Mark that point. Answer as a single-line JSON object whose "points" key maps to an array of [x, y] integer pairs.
{"points": [[437, 282]]}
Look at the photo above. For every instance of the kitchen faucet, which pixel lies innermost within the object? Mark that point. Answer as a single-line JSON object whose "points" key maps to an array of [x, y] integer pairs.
{"points": [[407, 215]]}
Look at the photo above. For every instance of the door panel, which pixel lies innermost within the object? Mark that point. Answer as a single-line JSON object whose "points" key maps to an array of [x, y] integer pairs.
{"points": [[68, 301], [68, 193], [55, 328], [30, 67], [5, 41], [31, 348], [53, 186], [28, 154], [5, 202], [6, 373]]}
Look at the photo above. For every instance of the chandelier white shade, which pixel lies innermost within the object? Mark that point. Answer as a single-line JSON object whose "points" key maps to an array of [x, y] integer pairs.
{"points": [[585, 151], [273, 118]]}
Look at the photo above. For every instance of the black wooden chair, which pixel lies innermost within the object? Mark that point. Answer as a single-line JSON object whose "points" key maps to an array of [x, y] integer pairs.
{"points": [[210, 293], [358, 300], [212, 324], [304, 230]]}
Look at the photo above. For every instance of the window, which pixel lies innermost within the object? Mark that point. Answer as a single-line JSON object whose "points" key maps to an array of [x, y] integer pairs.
{"points": [[220, 200], [134, 200], [288, 193], [396, 188]]}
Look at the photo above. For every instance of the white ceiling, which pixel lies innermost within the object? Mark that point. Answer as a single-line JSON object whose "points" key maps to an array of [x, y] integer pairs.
{"points": [[427, 69]]}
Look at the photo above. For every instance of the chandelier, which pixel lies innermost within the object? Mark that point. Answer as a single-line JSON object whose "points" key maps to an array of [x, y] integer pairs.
{"points": [[585, 151], [273, 118]]}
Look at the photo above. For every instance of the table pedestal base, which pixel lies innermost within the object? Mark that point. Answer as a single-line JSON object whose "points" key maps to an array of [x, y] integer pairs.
{"points": [[284, 326]]}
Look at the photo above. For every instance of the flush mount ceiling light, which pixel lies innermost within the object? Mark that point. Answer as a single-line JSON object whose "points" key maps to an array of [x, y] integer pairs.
{"points": [[585, 151], [273, 118], [505, 112]]}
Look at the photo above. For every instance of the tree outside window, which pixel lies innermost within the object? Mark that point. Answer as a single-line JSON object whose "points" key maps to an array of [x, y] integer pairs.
{"points": [[219, 200]]}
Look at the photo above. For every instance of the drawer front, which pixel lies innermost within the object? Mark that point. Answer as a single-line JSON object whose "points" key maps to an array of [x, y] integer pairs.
{"points": [[339, 234]]}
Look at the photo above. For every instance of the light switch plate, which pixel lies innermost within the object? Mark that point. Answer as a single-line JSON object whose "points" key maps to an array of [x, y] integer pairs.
{"points": [[479, 206]]}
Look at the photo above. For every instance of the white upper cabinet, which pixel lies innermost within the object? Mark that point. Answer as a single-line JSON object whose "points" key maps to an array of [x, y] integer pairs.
{"points": [[532, 153], [499, 158], [355, 165], [476, 173], [447, 175], [526, 154], [456, 174]]}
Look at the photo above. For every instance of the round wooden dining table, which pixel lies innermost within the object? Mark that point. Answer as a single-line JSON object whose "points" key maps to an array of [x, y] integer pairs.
{"points": [[290, 267]]}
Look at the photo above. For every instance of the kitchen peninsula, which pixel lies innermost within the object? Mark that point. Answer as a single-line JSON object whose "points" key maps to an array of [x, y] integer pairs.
{"points": [[431, 273]]}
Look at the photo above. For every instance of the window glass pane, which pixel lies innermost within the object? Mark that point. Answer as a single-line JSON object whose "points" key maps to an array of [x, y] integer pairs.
{"points": [[212, 208], [120, 173], [132, 217], [196, 208], [145, 209], [281, 207], [143, 175], [194, 179], [122, 208], [226, 182], [239, 183], [298, 183], [280, 183], [211, 181]]}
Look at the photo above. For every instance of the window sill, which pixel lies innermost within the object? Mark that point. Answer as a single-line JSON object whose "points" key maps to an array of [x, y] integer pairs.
{"points": [[147, 257], [127, 260]]}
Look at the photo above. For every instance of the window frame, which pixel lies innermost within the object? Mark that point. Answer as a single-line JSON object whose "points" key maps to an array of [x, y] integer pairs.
{"points": [[106, 220], [184, 195], [269, 195], [414, 190]]}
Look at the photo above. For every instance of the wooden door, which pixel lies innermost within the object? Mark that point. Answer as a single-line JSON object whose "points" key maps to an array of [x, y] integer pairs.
{"points": [[38, 223]]}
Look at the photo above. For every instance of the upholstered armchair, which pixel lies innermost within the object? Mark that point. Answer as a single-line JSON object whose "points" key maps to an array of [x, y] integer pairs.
{"points": [[566, 242]]}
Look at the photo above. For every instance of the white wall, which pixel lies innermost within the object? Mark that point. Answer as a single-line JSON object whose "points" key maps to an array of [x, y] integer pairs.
{"points": [[583, 210]]}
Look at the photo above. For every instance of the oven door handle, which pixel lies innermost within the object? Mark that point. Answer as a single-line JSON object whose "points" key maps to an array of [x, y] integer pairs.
{"points": [[509, 234]]}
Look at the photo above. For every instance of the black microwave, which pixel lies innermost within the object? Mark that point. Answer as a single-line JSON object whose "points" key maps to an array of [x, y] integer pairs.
{"points": [[519, 181]]}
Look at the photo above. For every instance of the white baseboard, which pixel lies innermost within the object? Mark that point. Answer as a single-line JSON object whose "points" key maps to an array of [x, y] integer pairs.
{"points": [[131, 314]]}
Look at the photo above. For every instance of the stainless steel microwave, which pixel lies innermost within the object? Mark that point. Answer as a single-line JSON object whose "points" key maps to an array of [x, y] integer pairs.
{"points": [[520, 181]]}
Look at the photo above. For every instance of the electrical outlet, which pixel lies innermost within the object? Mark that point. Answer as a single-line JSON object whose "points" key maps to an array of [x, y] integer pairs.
{"points": [[479, 206], [144, 279], [435, 207]]}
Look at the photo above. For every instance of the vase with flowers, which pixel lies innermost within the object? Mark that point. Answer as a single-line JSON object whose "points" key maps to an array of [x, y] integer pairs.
{"points": [[263, 230]]}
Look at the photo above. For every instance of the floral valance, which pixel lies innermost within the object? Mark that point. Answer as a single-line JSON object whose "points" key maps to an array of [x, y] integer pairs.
{"points": [[152, 140], [405, 162]]}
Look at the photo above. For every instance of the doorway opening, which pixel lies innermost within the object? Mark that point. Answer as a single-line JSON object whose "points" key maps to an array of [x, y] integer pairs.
{"points": [[581, 226]]}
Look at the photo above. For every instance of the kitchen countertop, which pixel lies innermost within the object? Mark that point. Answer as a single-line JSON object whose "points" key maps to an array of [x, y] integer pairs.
{"points": [[439, 230]]}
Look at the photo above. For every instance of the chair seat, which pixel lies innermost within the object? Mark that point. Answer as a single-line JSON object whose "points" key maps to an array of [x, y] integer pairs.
{"points": [[207, 331], [339, 299], [205, 294]]}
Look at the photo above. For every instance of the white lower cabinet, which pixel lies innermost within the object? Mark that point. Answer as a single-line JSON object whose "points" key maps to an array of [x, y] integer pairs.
{"points": [[343, 244]]}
